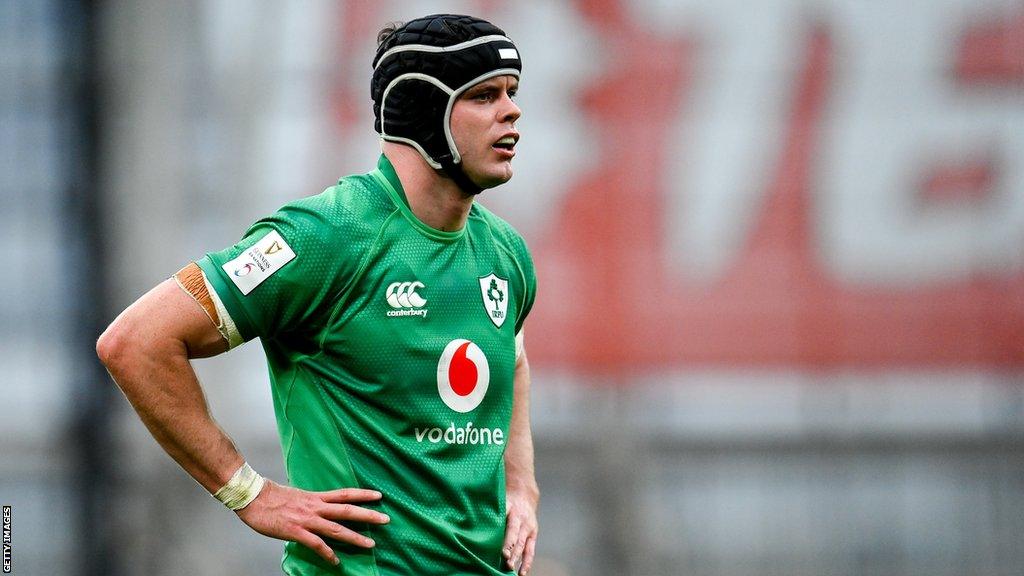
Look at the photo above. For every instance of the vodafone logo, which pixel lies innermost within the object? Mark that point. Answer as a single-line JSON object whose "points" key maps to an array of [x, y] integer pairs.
{"points": [[462, 375]]}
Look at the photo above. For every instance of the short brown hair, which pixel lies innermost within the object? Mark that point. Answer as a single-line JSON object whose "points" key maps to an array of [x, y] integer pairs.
{"points": [[388, 29]]}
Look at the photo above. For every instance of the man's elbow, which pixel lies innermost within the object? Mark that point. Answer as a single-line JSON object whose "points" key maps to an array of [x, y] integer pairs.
{"points": [[112, 346]]}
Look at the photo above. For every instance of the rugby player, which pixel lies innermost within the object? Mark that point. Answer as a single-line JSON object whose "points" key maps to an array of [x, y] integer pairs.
{"points": [[391, 310]]}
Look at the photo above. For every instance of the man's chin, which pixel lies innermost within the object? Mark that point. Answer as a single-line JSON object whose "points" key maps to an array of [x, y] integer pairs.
{"points": [[494, 179]]}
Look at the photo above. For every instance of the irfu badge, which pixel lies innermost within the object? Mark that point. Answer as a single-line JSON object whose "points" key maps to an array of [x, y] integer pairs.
{"points": [[494, 291]]}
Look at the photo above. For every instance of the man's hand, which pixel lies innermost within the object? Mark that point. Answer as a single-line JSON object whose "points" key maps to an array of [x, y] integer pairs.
{"points": [[305, 517], [520, 530]]}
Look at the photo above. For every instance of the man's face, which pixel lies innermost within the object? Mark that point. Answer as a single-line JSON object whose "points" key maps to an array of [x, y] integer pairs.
{"points": [[483, 126]]}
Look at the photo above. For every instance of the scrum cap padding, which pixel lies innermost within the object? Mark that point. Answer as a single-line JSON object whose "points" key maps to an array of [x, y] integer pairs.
{"points": [[423, 67]]}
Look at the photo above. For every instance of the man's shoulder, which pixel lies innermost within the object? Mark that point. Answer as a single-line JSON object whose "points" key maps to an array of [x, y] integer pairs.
{"points": [[502, 231], [513, 245], [353, 207]]}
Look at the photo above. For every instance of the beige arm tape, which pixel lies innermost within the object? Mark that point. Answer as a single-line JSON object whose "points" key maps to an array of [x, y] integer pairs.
{"points": [[519, 343], [193, 281], [243, 487]]}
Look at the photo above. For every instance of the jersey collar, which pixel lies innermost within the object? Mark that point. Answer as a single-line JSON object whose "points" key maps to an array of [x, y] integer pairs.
{"points": [[386, 174], [384, 167]]}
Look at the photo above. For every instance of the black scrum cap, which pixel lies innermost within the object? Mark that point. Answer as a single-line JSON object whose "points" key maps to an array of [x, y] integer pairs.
{"points": [[422, 68]]}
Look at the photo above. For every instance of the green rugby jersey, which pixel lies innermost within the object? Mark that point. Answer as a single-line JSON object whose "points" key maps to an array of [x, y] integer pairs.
{"points": [[391, 349]]}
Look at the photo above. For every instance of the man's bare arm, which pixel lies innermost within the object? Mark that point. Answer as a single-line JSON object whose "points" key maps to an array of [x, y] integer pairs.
{"points": [[147, 351], [521, 493]]}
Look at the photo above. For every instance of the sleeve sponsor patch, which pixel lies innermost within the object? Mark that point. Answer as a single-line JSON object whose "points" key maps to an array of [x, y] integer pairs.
{"points": [[268, 255]]}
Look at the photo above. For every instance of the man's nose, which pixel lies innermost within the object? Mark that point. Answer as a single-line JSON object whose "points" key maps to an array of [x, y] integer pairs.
{"points": [[510, 111]]}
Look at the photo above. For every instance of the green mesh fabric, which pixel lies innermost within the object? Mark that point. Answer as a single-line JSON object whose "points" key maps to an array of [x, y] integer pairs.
{"points": [[355, 329]]}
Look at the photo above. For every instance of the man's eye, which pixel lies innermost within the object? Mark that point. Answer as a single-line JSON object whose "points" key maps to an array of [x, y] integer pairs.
{"points": [[483, 96]]}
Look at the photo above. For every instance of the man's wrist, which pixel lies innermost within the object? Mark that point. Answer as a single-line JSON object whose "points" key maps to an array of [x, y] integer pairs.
{"points": [[241, 489], [528, 490]]}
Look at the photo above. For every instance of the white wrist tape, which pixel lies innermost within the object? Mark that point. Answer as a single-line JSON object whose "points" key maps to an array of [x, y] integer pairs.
{"points": [[243, 487]]}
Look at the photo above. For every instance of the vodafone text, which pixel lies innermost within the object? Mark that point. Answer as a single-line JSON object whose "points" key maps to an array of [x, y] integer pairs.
{"points": [[465, 435]]}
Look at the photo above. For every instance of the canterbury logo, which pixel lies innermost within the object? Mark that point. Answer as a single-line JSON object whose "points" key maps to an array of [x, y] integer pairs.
{"points": [[403, 295]]}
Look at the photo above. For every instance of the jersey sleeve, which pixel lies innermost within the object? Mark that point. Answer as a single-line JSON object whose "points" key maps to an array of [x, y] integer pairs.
{"points": [[529, 283], [280, 277]]}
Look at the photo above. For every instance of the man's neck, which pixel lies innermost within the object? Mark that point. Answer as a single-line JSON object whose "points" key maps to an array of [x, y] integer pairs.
{"points": [[436, 200]]}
